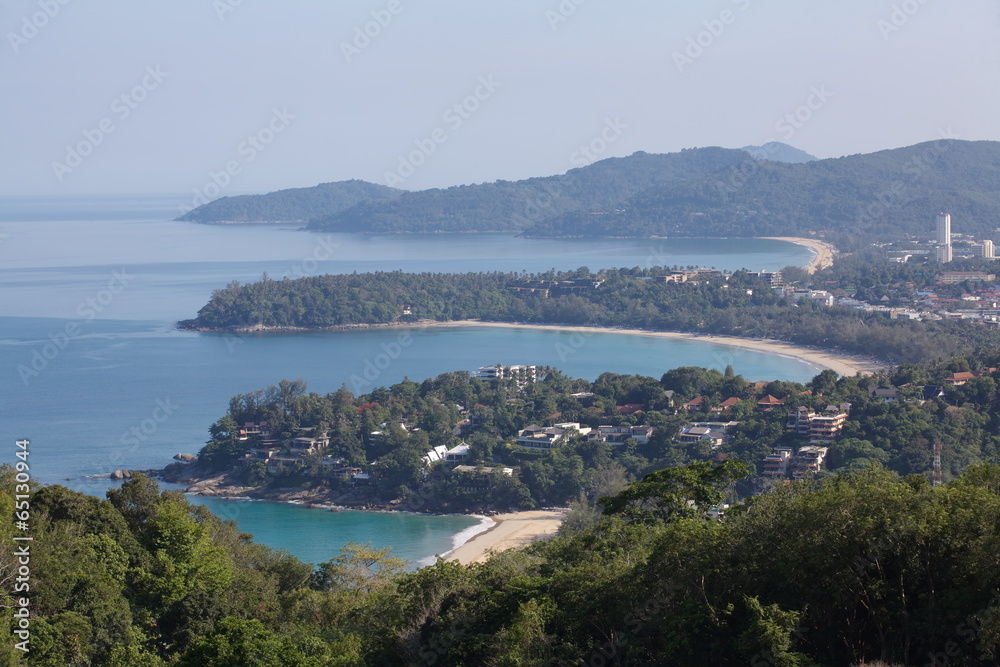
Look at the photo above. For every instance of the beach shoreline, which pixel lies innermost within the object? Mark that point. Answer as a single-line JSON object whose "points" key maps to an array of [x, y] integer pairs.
{"points": [[513, 530], [842, 363], [823, 252]]}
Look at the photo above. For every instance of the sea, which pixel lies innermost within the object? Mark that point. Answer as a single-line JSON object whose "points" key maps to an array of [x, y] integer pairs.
{"points": [[94, 371]]}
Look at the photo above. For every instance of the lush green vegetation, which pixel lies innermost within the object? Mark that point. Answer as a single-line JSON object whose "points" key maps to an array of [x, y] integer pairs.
{"points": [[517, 205], [413, 417], [862, 567], [716, 192], [630, 298], [295, 205], [701, 192], [854, 199]]}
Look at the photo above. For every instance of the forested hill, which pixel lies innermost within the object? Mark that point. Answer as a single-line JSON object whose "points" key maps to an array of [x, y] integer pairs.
{"points": [[632, 298], [716, 192], [779, 152], [865, 568], [294, 205], [517, 205], [771, 190], [855, 199]]}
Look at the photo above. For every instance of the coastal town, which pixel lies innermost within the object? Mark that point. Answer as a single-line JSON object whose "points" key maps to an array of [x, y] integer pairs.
{"points": [[690, 413]]}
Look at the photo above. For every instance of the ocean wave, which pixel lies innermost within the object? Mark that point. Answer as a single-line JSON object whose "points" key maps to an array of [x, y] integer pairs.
{"points": [[461, 537]]}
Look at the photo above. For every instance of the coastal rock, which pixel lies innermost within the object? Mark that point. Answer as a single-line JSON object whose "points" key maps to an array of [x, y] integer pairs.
{"points": [[121, 474], [186, 457]]}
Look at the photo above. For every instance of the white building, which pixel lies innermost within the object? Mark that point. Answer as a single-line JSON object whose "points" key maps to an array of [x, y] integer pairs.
{"points": [[616, 435], [459, 452], [943, 229], [521, 374], [808, 461], [547, 437], [776, 463], [943, 253], [436, 454]]}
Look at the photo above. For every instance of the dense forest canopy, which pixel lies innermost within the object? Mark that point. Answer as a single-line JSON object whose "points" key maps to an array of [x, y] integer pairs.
{"points": [[699, 192], [708, 192], [854, 200], [857, 568], [741, 305], [410, 418]]}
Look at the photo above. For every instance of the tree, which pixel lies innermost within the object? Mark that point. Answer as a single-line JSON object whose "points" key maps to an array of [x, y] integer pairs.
{"points": [[359, 567], [242, 643], [674, 493]]}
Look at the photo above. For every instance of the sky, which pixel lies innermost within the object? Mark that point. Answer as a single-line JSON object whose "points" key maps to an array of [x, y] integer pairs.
{"points": [[222, 97]]}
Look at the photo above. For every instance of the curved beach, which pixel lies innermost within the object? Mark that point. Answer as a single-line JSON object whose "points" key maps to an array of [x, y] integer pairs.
{"points": [[823, 252], [511, 531], [843, 364]]}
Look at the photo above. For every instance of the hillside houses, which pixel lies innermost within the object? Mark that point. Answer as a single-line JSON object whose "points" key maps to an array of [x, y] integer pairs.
{"points": [[714, 433], [819, 427], [547, 437], [617, 435]]}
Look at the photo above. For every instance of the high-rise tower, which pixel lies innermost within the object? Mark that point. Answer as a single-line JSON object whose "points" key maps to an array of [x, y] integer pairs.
{"points": [[944, 229], [944, 252]]}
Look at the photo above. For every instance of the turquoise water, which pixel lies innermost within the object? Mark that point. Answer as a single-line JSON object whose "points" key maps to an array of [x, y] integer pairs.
{"points": [[316, 535], [93, 371]]}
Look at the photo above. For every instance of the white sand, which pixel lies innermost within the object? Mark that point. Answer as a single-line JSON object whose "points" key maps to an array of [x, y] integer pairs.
{"points": [[843, 364], [824, 251], [511, 531]]}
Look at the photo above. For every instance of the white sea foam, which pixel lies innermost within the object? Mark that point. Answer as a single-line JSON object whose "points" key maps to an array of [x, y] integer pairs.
{"points": [[461, 537]]}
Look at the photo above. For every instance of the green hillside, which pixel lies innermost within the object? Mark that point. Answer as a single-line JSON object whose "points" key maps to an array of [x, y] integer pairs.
{"points": [[517, 205], [882, 195], [294, 205]]}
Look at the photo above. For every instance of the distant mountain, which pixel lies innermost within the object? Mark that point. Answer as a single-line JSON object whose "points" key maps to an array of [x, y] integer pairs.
{"points": [[852, 200], [294, 205], [779, 152], [515, 206], [697, 192]]}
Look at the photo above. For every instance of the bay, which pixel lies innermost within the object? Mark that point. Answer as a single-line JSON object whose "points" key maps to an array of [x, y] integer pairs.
{"points": [[96, 374]]}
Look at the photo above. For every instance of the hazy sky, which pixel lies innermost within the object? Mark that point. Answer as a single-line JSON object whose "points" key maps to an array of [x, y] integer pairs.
{"points": [[148, 97]]}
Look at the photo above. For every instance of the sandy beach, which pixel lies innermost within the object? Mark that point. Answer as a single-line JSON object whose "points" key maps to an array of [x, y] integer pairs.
{"points": [[824, 251], [843, 364], [511, 531]]}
